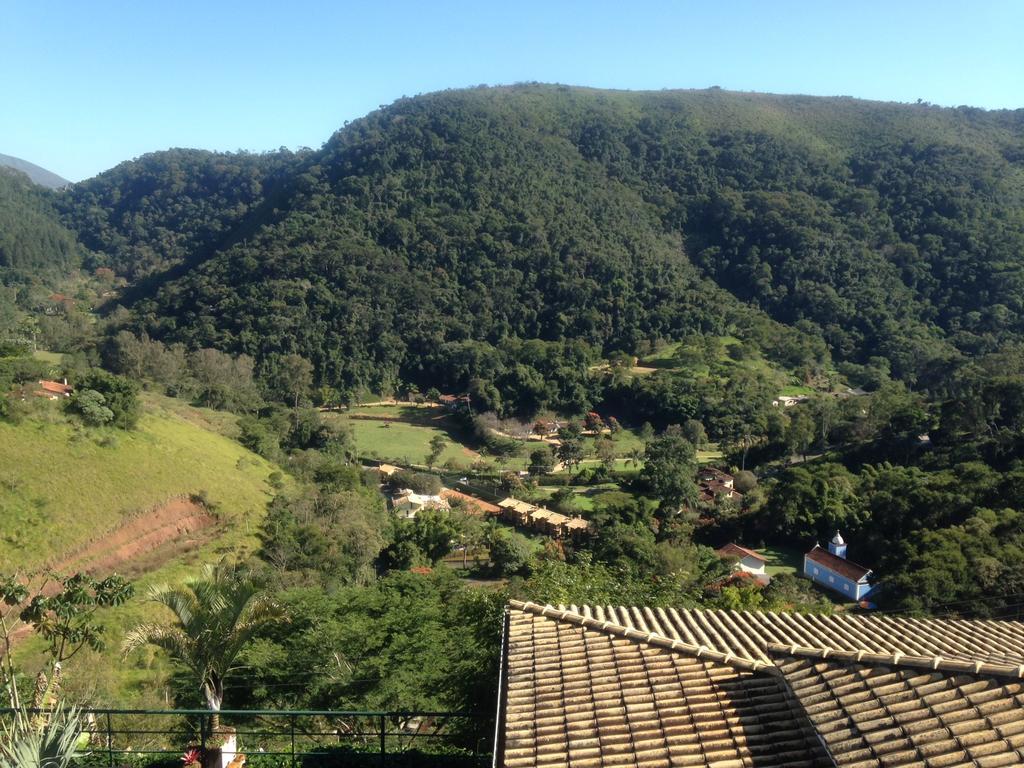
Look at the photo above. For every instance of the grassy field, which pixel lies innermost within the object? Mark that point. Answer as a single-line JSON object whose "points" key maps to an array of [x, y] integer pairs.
{"points": [[782, 560], [56, 358], [664, 358], [61, 484], [404, 436]]}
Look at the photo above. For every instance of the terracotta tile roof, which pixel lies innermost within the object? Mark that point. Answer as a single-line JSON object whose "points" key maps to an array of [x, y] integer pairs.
{"points": [[594, 687], [484, 507], [839, 565], [908, 712], [735, 550], [583, 695], [516, 504], [54, 387], [747, 634]]}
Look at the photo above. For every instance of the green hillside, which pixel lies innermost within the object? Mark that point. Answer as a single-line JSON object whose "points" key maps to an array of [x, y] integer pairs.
{"points": [[431, 240], [64, 486], [32, 238]]}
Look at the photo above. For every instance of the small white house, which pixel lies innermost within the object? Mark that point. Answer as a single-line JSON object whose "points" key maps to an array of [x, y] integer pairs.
{"points": [[406, 503], [748, 560]]}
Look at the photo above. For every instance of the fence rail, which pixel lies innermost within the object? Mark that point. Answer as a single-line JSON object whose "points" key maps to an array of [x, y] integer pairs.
{"points": [[145, 738]]}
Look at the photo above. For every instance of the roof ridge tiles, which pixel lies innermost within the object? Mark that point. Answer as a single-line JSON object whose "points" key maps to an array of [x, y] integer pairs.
{"points": [[650, 638], [934, 663]]}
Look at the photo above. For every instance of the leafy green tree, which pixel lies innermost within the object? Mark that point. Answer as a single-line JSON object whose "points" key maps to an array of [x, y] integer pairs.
{"points": [[120, 396], [800, 432], [570, 447], [67, 620], [510, 553], [813, 501], [417, 482], [295, 377], [215, 616], [329, 536], [693, 430], [542, 461], [604, 447], [437, 446], [670, 467], [428, 537], [91, 406]]}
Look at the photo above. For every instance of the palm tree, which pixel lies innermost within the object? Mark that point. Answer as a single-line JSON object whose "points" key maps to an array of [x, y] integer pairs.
{"points": [[216, 615]]}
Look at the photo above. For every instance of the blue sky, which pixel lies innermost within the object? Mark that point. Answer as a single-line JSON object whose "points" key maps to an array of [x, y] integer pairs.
{"points": [[87, 84]]}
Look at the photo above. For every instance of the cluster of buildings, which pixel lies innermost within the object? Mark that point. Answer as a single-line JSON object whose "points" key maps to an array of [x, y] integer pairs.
{"points": [[714, 484], [406, 503], [522, 514], [827, 567]]}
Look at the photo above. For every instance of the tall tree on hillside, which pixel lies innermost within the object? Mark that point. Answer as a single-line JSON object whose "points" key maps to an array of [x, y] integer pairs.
{"points": [[437, 446], [215, 616], [670, 464], [295, 374]]}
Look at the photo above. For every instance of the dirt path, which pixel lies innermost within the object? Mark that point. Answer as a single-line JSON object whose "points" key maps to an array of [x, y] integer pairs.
{"points": [[141, 543], [172, 523]]}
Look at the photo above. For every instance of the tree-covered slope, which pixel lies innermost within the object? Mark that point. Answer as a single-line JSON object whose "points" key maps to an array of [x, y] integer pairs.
{"points": [[32, 237], [168, 207], [429, 238]]}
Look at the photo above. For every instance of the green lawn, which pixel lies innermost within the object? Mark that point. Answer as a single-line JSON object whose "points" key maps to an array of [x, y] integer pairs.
{"points": [[55, 358], [405, 438], [782, 560], [62, 484]]}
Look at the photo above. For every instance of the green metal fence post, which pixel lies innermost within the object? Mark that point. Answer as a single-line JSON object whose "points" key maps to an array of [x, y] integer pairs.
{"points": [[110, 743], [292, 721], [202, 735], [383, 741]]}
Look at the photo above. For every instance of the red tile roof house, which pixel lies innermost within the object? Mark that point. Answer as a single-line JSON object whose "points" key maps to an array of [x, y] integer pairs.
{"points": [[747, 560], [471, 504], [712, 483], [53, 390]]}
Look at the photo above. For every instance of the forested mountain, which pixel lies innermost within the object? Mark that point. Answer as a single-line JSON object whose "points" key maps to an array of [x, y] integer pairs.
{"points": [[689, 265], [448, 226], [33, 240], [37, 174], [169, 208]]}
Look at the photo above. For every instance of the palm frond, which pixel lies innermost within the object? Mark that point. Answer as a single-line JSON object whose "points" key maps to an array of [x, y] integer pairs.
{"points": [[170, 639], [182, 601]]}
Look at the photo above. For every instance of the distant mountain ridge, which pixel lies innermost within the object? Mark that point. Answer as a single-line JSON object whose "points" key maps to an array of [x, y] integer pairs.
{"points": [[39, 175], [460, 237]]}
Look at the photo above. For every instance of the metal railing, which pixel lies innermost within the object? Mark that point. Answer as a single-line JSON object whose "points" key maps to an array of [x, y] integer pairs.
{"points": [[289, 738]]}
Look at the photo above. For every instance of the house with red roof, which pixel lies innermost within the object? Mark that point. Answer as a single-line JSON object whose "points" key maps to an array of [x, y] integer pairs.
{"points": [[830, 568], [747, 560], [53, 390]]}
